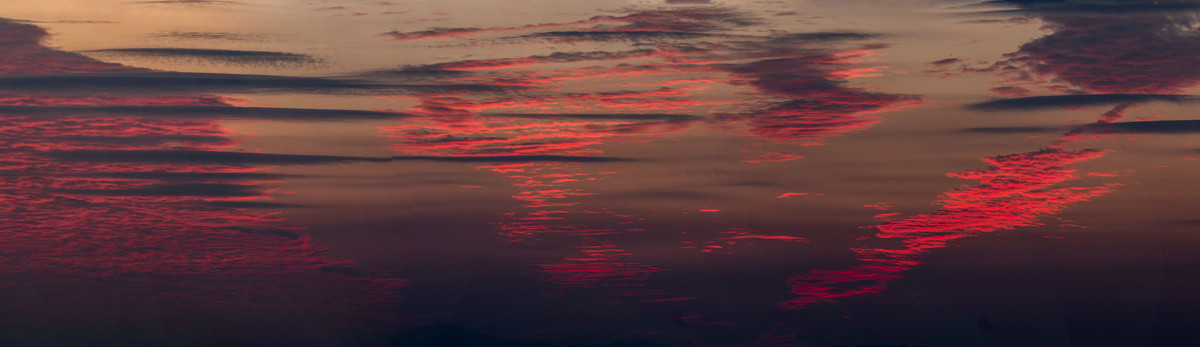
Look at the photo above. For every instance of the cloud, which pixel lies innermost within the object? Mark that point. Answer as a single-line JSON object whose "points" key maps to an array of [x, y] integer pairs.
{"points": [[790, 88], [643, 25], [822, 36], [602, 36], [801, 87], [1098, 6], [201, 157], [819, 105], [1142, 47], [153, 82], [1014, 191], [597, 116], [190, 176], [1011, 130], [215, 55], [557, 57], [265, 230], [1142, 127], [430, 33], [146, 236], [197, 112], [210, 35], [246, 158], [184, 189], [1079, 100], [21, 52], [512, 158], [148, 140]]}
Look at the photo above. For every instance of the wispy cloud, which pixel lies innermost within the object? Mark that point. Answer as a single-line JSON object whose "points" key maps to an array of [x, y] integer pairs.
{"points": [[215, 55], [1014, 191]]}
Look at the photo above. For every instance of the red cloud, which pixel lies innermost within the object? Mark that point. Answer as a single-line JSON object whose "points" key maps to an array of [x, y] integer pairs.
{"points": [[1015, 191], [149, 249]]}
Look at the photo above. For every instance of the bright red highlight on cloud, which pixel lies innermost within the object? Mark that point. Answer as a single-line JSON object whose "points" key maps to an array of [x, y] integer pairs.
{"points": [[1014, 191], [129, 236], [793, 90]]}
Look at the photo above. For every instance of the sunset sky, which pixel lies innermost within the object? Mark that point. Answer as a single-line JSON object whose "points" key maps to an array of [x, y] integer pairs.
{"points": [[674, 172]]}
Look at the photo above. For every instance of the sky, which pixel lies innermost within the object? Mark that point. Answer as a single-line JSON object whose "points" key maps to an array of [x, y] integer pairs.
{"points": [[918, 172]]}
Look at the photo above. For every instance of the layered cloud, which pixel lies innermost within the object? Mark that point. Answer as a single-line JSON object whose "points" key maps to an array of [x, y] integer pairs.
{"points": [[156, 82], [44, 110], [155, 243], [657, 79]]}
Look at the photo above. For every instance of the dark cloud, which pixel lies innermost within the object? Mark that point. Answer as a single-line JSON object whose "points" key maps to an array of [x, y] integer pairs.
{"points": [[1142, 127], [421, 72], [206, 35], [1098, 6], [146, 237], [196, 112], [245, 158], [640, 35], [638, 26], [556, 57], [153, 82], [201, 157], [1081, 100], [21, 52], [597, 116], [264, 230], [819, 104], [512, 158], [186, 189], [215, 55], [430, 33], [823, 36], [190, 176], [256, 204], [1011, 130], [1143, 47], [149, 140]]}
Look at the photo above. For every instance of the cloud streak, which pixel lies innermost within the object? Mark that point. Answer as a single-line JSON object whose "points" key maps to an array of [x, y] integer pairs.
{"points": [[196, 112], [1014, 191], [246, 158], [1142, 127], [215, 55], [154, 83], [1079, 100]]}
